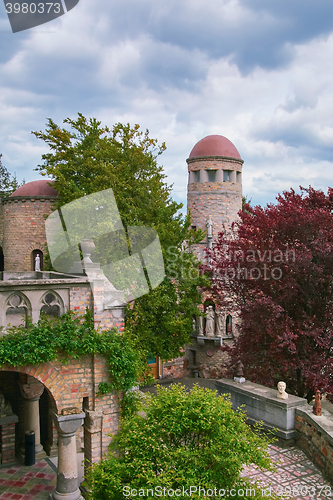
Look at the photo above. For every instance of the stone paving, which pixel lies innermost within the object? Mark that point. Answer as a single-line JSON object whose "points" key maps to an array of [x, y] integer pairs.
{"points": [[19, 482], [295, 476]]}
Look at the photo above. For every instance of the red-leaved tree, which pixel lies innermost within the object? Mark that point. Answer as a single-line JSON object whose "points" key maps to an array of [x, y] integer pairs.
{"points": [[277, 271]]}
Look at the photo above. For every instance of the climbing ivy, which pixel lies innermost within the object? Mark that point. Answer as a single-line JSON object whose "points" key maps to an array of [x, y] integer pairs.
{"points": [[73, 336]]}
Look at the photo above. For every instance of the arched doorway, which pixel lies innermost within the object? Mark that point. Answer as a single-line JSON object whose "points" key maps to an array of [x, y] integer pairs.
{"points": [[24, 402]]}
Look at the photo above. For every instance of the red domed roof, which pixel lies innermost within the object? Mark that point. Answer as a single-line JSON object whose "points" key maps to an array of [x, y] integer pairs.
{"points": [[215, 145], [36, 188]]}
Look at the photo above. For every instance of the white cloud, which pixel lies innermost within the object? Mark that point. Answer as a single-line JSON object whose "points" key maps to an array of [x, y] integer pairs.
{"points": [[255, 71]]}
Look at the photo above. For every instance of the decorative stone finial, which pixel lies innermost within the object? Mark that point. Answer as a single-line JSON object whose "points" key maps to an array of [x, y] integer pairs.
{"points": [[239, 373], [281, 386], [316, 409], [239, 369]]}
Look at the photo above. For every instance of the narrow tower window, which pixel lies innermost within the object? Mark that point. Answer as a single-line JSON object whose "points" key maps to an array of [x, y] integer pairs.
{"points": [[226, 175], [211, 175], [196, 175]]}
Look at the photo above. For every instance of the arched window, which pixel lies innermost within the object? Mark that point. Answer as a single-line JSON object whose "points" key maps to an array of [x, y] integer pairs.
{"points": [[16, 310], [228, 325], [2, 260], [51, 305], [37, 260]]}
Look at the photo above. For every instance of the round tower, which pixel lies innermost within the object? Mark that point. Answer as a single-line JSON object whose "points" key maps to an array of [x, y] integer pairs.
{"points": [[214, 192], [24, 213]]}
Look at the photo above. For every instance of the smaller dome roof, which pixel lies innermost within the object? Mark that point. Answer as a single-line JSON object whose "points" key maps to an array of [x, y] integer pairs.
{"points": [[214, 145], [36, 188]]}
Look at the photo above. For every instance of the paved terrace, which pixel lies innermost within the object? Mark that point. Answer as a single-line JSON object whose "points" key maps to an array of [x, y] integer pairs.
{"points": [[295, 476]]}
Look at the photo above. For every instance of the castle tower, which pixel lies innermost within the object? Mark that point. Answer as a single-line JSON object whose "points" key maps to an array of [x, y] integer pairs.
{"points": [[23, 225], [214, 183]]}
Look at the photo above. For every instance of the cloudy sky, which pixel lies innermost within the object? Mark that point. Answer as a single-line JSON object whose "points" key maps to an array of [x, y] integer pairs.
{"points": [[256, 71]]}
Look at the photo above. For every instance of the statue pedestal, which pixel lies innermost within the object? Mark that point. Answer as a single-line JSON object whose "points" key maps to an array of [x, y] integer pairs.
{"points": [[7, 443]]}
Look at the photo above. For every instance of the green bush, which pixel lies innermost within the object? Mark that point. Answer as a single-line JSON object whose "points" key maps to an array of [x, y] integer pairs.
{"points": [[180, 440], [73, 336]]}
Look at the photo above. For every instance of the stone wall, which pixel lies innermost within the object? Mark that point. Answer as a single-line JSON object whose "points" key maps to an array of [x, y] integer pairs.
{"points": [[315, 438], [24, 230], [209, 360]]}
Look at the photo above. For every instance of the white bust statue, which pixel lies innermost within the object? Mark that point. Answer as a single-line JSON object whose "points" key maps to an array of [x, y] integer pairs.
{"points": [[282, 390]]}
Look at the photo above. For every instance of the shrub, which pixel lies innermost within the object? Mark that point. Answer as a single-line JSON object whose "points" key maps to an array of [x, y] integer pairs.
{"points": [[180, 439]]}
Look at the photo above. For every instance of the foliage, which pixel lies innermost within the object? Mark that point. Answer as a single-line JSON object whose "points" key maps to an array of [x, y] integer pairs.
{"points": [[72, 336], [89, 158], [8, 183], [278, 268], [160, 322], [182, 439], [131, 402]]}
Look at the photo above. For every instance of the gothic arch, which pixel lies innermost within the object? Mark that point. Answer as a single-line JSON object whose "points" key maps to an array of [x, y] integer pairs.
{"points": [[17, 309], [51, 304]]}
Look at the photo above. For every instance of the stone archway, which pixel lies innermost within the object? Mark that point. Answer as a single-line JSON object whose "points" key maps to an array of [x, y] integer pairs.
{"points": [[22, 394], [70, 386]]}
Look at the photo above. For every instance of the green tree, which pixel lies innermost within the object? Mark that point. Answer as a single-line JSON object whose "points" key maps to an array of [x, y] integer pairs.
{"points": [[161, 321], [181, 440], [8, 182], [89, 158]]}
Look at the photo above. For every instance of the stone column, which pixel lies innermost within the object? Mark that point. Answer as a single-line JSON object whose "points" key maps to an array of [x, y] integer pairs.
{"points": [[67, 478], [31, 392], [93, 436]]}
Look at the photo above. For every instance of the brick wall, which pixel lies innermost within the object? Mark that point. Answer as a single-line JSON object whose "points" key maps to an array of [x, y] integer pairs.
{"points": [[24, 230], [73, 383], [7, 443], [316, 438], [219, 200], [80, 297]]}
